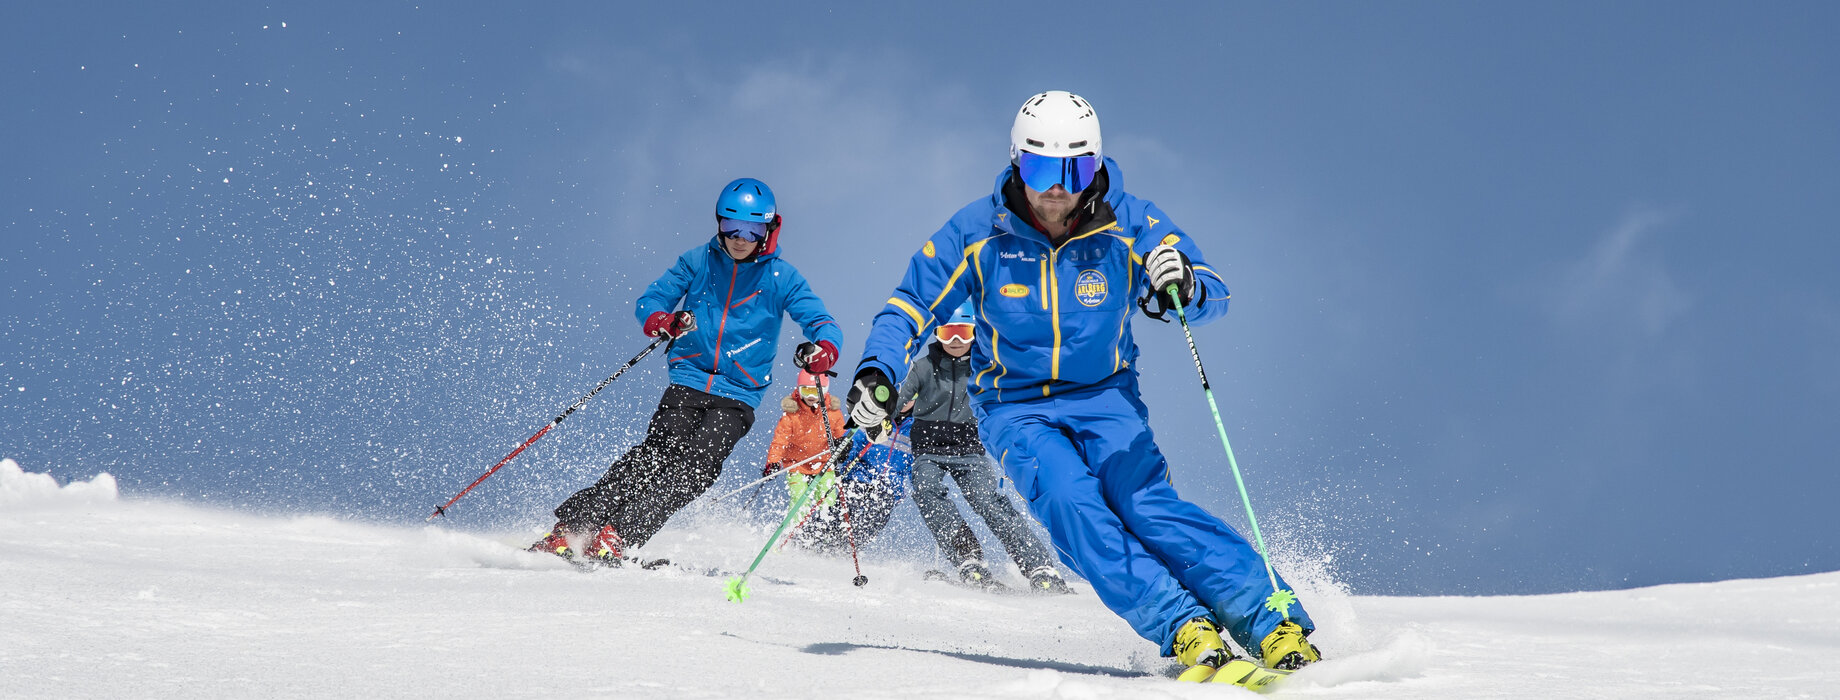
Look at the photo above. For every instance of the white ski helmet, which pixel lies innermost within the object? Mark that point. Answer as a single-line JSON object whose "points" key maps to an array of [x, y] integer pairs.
{"points": [[1055, 123]]}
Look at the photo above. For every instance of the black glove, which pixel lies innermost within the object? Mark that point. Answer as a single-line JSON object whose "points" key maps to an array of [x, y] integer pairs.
{"points": [[871, 401], [1165, 266]]}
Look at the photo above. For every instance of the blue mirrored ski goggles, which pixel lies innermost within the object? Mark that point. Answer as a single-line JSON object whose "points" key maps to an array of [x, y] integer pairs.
{"points": [[1041, 173], [738, 228]]}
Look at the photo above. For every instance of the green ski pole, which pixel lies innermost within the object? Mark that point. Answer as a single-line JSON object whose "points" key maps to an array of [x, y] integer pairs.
{"points": [[1281, 599], [736, 588]]}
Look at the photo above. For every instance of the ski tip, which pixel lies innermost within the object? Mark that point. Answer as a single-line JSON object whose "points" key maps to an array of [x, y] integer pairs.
{"points": [[736, 589], [1198, 673]]}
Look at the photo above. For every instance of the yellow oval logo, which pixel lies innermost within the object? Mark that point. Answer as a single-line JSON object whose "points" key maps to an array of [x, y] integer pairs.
{"points": [[928, 249], [1170, 239], [1014, 291]]}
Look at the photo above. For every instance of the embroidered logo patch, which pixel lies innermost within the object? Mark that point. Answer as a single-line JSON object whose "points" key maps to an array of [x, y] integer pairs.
{"points": [[928, 249], [1014, 291], [1171, 239], [1089, 288]]}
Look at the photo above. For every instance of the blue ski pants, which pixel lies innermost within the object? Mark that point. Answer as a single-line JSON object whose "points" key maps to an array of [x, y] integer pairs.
{"points": [[1092, 474]]}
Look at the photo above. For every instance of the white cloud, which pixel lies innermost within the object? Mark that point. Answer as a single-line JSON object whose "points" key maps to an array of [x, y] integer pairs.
{"points": [[1621, 287], [866, 156]]}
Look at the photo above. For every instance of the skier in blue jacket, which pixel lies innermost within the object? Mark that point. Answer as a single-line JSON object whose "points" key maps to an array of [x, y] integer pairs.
{"points": [[1051, 261], [733, 291], [875, 477]]}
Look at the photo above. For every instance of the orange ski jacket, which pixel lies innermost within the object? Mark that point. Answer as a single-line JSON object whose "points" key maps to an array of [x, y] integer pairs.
{"points": [[800, 434]]}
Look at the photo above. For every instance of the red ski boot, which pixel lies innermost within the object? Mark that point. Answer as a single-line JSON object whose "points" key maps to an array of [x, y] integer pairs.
{"points": [[606, 547], [556, 542]]}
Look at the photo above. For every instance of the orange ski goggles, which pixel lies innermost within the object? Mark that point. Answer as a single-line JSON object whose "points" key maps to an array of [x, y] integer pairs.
{"points": [[962, 332]]}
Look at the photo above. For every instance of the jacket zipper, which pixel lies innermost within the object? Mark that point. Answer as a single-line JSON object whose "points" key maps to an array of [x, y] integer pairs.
{"points": [[733, 270]]}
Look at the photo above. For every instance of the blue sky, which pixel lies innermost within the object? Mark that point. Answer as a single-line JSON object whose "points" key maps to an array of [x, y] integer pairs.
{"points": [[1526, 298]]}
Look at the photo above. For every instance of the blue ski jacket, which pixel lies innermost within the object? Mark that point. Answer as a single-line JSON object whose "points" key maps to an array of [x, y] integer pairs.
{"points": [[738, 305], [891, 462], [1049, 318]]}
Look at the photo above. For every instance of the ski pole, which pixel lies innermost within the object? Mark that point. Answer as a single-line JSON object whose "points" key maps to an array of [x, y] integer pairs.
{"points": [[765, 479], [849, 533], [828, 468], [736, 588], [442, 509], [1281, 599]]}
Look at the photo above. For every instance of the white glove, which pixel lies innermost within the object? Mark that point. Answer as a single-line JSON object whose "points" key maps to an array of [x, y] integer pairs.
{"points": [[1165, 266], [870, 400]]}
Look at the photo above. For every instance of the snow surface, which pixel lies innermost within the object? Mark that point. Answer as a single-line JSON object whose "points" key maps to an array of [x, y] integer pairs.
{"points": [[108, 597]]}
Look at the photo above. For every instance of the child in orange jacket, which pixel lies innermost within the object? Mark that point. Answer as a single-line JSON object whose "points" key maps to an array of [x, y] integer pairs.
{"points": [[798, 440]]}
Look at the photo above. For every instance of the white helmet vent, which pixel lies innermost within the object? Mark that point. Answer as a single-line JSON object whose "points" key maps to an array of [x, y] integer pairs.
{"points": [[1056, 123]]}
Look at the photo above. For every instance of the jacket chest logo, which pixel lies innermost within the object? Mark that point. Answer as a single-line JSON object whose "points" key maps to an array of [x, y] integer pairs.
{"points": [[1014, 291], [1090, 288]]}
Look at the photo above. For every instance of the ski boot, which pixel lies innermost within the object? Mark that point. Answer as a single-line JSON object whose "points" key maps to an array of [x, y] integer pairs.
{"points": [[1045, 580], [606, 547], [556, 542], [975, 574], [1200, 650], [1286, 648]]}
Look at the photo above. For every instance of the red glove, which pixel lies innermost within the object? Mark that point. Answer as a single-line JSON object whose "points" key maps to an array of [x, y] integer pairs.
{"points": [[816, 358], [669, 324]]}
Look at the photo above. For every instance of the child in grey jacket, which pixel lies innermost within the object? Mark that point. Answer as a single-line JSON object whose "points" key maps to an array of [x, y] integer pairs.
{"points": [[945, 441]]}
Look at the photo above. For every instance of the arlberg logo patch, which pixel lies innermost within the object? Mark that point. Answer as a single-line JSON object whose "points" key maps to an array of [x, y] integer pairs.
{"points": [[928, 249], [1014, 291], [1089, 288]]}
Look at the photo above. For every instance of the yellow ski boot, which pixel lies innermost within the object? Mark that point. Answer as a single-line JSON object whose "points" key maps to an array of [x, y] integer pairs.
{"points": [[1285, 648], [1199, 647]]}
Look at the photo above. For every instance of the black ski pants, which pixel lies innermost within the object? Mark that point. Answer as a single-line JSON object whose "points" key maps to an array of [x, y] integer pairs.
{"points": [[690, 436]]}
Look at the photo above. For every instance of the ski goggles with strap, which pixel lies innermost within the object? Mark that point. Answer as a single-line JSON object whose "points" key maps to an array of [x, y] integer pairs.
{"points": [[1041, 173], [810, 393], [962, 332], [739, 228]]}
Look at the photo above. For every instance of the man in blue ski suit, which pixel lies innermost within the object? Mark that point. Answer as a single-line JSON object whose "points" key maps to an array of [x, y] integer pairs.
{"points": [[1052, 261], [733, 289]]}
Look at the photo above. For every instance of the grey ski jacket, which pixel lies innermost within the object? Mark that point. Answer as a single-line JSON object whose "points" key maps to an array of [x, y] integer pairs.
{"points": [[943, 421]]}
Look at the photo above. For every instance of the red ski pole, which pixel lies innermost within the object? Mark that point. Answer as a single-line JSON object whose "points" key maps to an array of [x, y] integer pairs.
{"points": [[442, 509], [848, 531]]}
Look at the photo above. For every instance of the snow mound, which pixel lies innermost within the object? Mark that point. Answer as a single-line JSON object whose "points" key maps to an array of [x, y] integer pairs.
{"points": [[22, 489]]}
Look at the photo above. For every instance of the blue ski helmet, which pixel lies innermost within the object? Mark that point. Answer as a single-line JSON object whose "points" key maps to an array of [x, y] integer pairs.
{"points": [[747, 199], [964, 314]]}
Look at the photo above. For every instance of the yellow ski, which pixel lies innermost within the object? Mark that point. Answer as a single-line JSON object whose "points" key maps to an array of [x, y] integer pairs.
{"points": [[1249, 675], [1240, 672]]}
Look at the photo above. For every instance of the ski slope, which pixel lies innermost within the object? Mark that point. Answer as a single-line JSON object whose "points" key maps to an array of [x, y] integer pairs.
{"points": [[102, 596]]}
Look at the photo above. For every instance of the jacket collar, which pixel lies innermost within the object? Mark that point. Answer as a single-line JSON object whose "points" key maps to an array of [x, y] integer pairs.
{"points": [[938, 354]]}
